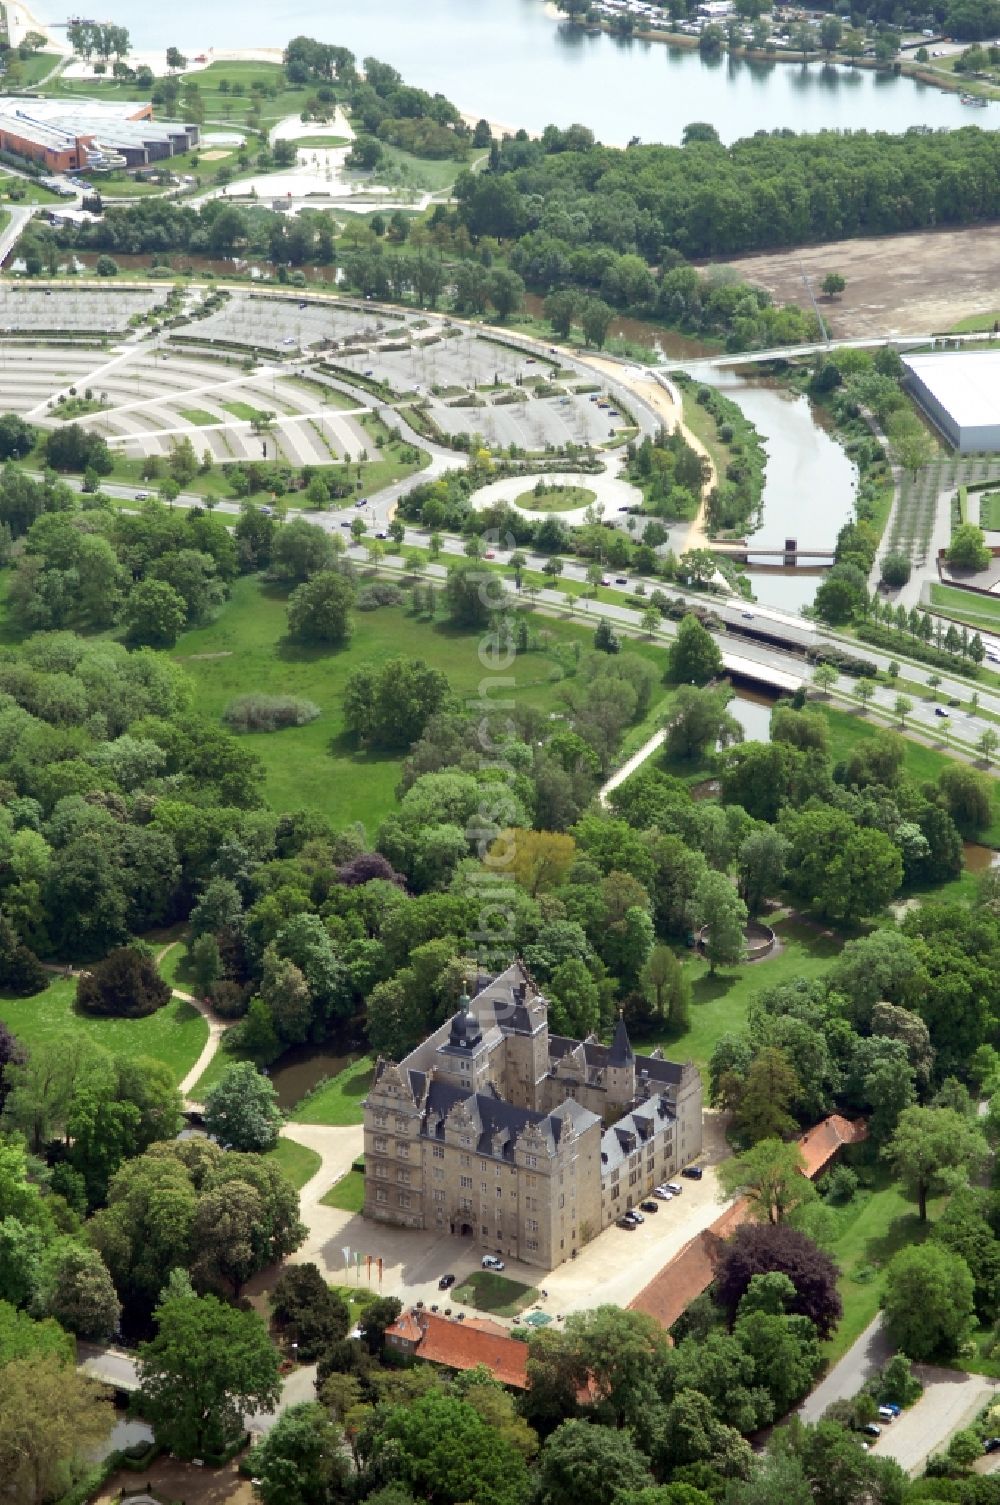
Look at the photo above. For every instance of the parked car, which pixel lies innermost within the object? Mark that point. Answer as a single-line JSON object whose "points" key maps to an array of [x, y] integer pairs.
{"points": [[621, 580], [940, 711], [649, 1207], [661, 1193], [142, 496], [692, 1172], [884, 1414], [675, 1187], [628, 1223], [891, 1407], [491, 1262], [636, 1216], [871, 1430], [446, 1282], [991, 1445]]}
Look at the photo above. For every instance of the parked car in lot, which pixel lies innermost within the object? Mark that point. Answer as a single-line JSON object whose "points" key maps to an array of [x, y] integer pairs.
{"points": [[636, 1217], [446, 1282], [886, 1414], [871, 1430], [675, 1187], [491, 1262], [692, 1172], [649, 1207], [662, 1195], [629, 1223]]}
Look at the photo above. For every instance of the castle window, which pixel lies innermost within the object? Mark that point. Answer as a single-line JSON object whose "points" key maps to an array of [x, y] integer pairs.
{"points": [[438, 1152], [531, 1225], [438, 1174], [531, 1243], [381, 1171], [482, 1187], [486, 1231], [402, 1150], [381, 1143], [381, 1195], [401, 1125], [404, 1199], [403, 1177], [465, 1204], [465, 1182], [439, 1196], [499, 1192], [381, 1118], [465, 1159], [531, 1160]]}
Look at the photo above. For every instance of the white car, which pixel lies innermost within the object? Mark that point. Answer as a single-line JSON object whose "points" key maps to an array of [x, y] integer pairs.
{"points": [[662, 1195], [491, 1262]]}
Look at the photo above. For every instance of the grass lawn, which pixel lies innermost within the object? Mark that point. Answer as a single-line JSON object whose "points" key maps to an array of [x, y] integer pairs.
{"points": [[976, 611], [989, 512], [869, 1230], [557, 499], [197, 415], [318, 143], [976, 323], [175, 1034], [356, 1297], [402, 169], [174, 967], [298, 1162], [235, 107], [318, 765], [338, 1101], [347, 1194], [489, 1292], [219, 1063], [25, 191], [29, 70], [719, 1003], [242, 410]]}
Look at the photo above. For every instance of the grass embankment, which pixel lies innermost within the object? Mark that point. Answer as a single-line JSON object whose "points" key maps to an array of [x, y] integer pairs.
{"points": [[318, 765], [556, 499], [989, 515], [338, 1101], [980, 612], [497, 1294], [175, 1034], [298, 1162], [318, 143], [399, 169]]}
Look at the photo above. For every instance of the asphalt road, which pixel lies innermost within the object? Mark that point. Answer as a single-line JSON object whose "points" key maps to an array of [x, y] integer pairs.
{"points": [[847, 1376]]}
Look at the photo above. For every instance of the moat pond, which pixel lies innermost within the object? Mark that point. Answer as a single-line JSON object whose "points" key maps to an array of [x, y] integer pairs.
{"points": [[517, 63]]}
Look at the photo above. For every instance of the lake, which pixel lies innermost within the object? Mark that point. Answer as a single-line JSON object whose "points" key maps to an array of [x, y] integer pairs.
{"points": [[515, 62]]}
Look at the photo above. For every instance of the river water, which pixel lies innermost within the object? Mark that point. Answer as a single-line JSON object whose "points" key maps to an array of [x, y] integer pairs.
{"points": [[516, 63]]}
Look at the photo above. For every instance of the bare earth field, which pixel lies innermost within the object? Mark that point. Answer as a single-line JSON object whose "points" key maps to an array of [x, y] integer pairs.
{"points": [[896, 284]]}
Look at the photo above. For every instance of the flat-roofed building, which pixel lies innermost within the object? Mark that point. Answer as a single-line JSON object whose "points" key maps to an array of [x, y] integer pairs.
{"points": [[95, 135], [960, 391]]}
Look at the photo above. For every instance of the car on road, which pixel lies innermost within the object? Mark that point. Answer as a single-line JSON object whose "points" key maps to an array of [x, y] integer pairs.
{"points": [[649, 1207], [994, 658], [605, 579], [490, 554], [381, 533], [344, 523], [628, 1223], [692, 1172], [142, 496], [491, 1262], [939, 710], [446, 1282], [621, 580], [361, 502], [747, 616], [871, 1430]]}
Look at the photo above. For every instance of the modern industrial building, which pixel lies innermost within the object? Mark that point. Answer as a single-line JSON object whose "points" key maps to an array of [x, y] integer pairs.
{"points": [[960, 392], [90, 135], [526, 1142]]}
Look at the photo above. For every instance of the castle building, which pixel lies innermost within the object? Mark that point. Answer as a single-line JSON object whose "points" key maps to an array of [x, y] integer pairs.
{"points": [[528, 1143]]}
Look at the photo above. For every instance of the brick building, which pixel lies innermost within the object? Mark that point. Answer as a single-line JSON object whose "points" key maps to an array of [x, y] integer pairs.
{"points": [[528, 1143]]}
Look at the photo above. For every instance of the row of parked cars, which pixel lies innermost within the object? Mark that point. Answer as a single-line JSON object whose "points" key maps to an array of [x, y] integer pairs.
{"points": [[665, 1193]]}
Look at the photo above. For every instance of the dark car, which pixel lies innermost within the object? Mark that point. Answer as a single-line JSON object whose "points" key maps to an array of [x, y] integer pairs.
{"points": [[636, 1216], [446, 1282], [692, 1172], [629, 1223], [871, 1430], [649, 1206], [991, 1445], [940, 711]]}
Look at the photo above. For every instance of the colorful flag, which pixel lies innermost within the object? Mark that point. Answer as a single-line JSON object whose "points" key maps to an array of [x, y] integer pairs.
{"points": [[347, 1256]]}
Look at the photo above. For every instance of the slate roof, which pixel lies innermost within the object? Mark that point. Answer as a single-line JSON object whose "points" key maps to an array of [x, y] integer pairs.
{"points": [[620, 1053], [494, 1119], [635, 1129]]}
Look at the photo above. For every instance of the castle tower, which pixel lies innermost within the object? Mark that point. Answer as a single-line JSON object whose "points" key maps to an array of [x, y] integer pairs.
{"points": [[620, 1070]]}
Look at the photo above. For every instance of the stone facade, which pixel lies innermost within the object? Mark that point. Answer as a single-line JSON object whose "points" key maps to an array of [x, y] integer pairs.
{"points": [[526, 1142]]}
